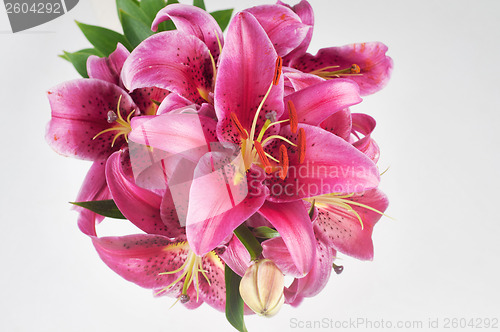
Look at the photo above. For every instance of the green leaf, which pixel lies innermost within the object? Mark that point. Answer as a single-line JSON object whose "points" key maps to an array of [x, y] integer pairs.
{"points": [[169, 2], [264, 232], [132, 8], [135, 30], [103, 39], [79, 59], [222, 17], [105, 208], [152, 7], [234, 302], [249, 241], [199, 4]]}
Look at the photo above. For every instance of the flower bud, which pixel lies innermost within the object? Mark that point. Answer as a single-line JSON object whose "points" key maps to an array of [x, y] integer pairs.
{"points": [[262, 287]]}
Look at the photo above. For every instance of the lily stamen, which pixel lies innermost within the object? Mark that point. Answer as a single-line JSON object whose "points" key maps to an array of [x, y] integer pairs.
{"points": [[243, 133], [293, 117], [123, 127], [262, 156], [283, 162], [326, 73]]}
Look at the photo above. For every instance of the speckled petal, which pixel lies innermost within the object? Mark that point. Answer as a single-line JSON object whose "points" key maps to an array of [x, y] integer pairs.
{"points": [[141, 258], [341, 229], [194, 21], [147, 98], [375, 66], [170, 60], [79, 112], [339, 124]]}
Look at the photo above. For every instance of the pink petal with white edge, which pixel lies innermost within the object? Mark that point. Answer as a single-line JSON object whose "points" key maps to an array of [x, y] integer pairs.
{"points": [[365, 124], [316, 103], [194, 21], [94, 188], [213, 217], [108, 69], [184, 67], [375, 66], [292, 221], [186, 134], [80, 112], [213, 293], [139, 205], [141, 258], [331, 165], [342, 230], [284, 28], [247, 67]]}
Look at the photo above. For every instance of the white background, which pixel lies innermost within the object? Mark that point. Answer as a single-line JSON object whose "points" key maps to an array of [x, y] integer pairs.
{"points": [[438, 122]]}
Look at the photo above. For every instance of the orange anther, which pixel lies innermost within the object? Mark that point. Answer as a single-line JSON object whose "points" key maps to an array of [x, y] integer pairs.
{"points": [[355, 69], [293, 116], [262, 156], [301, 144], [277, 72], [283, 162], [243, 133]]}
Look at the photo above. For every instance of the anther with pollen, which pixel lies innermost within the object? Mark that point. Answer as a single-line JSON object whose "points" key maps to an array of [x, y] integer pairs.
{"points": [[277, 73], [262, 156], [329, 73], [237, 124], [337, 268], [293, 117], [283, 162]]}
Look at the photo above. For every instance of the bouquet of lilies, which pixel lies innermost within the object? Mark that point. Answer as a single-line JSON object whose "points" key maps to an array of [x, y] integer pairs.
{"points": [[236, 156]]}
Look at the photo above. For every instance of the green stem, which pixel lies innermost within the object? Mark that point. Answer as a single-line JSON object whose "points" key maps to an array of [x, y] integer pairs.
{"points": [[249, 241]]}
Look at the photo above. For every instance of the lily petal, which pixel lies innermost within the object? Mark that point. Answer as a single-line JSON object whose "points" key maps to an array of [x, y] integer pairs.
{"points": [[79, 113], [141, 258], [213, 293], [139, 205], [108, 69], [213, 217], [236, 256], [276, 250], [186, 134], [147, 98], [375, 66], [341, 229], [316, 103], [247, 67], [292, 221], [298, 80], [331, 165], [194, 21], [339, 124], [184, 67], [365, 124], [94, 188], [304, 10], [284, 27]]}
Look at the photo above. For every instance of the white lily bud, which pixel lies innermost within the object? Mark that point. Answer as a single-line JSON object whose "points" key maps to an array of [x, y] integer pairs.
{"points": [[262, 288]]}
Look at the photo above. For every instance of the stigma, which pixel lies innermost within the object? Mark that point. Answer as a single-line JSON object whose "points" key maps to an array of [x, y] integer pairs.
{"points": [[121, 126]]}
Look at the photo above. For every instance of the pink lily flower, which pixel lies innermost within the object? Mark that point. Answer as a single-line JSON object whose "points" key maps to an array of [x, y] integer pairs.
{"points": [[245, 107]]}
